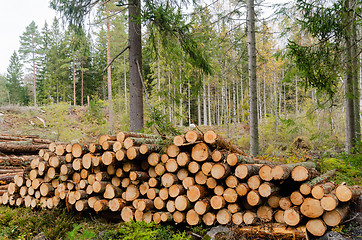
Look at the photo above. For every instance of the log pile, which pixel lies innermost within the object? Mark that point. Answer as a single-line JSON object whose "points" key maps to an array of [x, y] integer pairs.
{"points": [[16, 153], [198, 178]]}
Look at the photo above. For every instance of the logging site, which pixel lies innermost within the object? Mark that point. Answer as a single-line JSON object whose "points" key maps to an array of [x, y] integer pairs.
{"points": [[180, 120]]}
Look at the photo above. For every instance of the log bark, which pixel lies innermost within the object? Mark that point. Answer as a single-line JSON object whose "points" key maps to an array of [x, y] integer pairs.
{"points": [[121, 136], [282, 172], [306, 188], [220, 170], [275, 231], [21, 149], [320, 190], [301, 173], [346, 193], [243, 171], [335, 217], [214, 139], [329, 202]]}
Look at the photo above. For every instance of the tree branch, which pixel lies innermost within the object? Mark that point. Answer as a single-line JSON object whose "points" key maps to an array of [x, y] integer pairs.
{"points": [[115, 57]]}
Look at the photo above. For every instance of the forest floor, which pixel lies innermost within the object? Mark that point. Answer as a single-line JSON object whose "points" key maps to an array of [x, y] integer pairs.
{"points": [[72, 124]]}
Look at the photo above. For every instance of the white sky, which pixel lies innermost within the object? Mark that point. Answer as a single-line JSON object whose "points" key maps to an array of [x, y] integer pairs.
{"points": [[15, 15]]}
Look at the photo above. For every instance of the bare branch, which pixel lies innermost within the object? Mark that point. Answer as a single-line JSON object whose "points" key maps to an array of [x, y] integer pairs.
{"points": [[114, 58]]}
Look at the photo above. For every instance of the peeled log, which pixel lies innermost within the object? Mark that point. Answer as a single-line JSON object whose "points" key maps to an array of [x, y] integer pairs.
{"points": [[316, 227], [216, 140], [200, 152], [334, 218], [306, 188], [311, 208]]}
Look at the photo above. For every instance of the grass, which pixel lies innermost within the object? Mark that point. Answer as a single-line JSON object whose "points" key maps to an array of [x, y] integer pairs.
{"points": [[26, 223]]}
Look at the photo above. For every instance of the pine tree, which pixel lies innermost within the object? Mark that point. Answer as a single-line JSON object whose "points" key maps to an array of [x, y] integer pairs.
{"points": [[29, 50]]}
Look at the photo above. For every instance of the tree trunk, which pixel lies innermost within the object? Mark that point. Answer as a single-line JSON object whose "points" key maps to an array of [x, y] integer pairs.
{"points": [[109, 78], [348, 78], [254, 136], [135, 66]]}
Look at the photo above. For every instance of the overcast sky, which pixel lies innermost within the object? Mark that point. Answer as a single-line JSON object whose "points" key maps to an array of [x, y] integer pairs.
{"points": [[15, 15]]}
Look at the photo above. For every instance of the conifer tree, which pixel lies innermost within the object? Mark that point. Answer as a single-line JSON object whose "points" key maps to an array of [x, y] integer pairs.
{"points": [[29, 50]]}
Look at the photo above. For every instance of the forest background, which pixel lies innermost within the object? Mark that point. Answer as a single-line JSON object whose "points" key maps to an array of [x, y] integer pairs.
{"points": [[62, 71]]}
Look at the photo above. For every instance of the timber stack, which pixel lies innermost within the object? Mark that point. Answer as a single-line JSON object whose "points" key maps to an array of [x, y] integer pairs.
{"points": [[16, 153], [194, 178]]}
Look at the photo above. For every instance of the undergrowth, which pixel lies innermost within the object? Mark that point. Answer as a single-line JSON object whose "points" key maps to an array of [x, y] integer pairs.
{"points": [[26, 223]]}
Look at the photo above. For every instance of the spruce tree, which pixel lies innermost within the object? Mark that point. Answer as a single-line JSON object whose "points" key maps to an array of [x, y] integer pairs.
{"points": [[14, 77]]}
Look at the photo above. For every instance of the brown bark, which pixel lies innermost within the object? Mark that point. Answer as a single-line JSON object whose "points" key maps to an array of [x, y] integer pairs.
{"points": [[346, 193], [335, 217], [306, 188], [275, 231], [21, 149], [220, 170], [214, 139], [282, 172], [320, 190]]}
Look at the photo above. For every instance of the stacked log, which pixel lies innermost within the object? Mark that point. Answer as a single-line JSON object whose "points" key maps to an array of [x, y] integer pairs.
{"points": [[16, 153], [199, 178]]}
